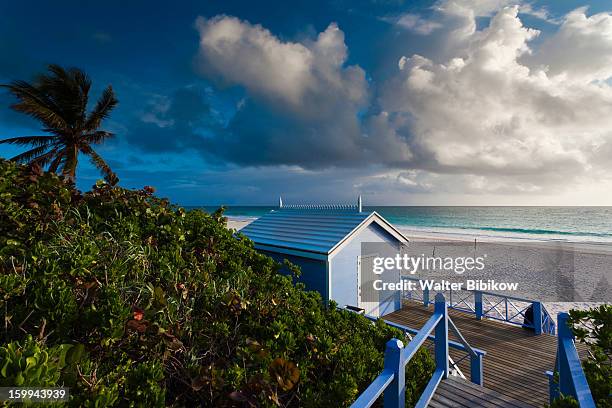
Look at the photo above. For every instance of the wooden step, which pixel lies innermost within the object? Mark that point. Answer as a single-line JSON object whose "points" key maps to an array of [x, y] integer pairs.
{"points": [[458, 393]]}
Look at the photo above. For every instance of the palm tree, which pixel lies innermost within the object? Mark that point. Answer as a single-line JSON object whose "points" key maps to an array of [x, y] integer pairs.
{"points": [[59, 101]]}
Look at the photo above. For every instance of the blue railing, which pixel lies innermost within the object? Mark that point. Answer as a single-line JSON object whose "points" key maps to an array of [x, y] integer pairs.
{"points": [[571, 378], [391, 382], [476, 355], [510, 309]]}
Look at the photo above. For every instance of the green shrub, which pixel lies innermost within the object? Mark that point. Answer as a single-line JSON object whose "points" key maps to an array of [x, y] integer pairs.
{"points": [[594, 328], [31, 364], [564, 402], [168, 307]]}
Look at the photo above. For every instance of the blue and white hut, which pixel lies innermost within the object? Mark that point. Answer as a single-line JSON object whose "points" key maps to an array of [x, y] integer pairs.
{"points": [[325, 241]]}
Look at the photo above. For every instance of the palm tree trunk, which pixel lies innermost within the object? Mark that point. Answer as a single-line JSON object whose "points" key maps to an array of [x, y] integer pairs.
{"points": [[70, 162], [74, 162]]}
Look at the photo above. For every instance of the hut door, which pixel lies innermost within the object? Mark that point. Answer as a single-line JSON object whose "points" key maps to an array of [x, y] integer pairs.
{"points": [[368, 298]]}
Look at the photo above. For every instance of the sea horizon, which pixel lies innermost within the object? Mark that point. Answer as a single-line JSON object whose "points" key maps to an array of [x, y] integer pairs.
{"points": [[579, 224]]}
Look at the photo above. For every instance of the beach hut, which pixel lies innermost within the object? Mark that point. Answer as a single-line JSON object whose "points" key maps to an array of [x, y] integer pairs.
{"points": [[326, 242]]}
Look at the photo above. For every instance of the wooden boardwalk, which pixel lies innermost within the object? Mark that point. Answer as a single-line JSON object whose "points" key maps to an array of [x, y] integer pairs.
{"points": [[514, 366], [458, 393]]}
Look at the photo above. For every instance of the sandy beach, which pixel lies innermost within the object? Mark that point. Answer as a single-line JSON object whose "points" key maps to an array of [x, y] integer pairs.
{"points": [[238, 223], [545, 270]]}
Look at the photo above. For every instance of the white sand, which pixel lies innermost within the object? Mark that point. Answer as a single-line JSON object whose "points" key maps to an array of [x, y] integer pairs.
{"points": [[535, 282], [238, 223]]}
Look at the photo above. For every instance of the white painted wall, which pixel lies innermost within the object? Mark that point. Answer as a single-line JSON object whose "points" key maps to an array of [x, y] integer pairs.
{"points": [[343, 265]]}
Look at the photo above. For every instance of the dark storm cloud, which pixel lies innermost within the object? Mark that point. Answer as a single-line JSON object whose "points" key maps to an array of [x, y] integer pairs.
{"points": [[322, 100], [14, 64], [258, 135], [306, 107], [309, 108], [171, 123]]}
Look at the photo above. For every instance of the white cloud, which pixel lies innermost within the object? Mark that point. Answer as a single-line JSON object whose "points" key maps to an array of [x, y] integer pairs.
{"points": [[416, 23], [501, 123], [158, 107], [476, 8], [542, 13], [488, 8], [484, 111], [581, 50], [292, 74], [304, 100], [252, 56]]}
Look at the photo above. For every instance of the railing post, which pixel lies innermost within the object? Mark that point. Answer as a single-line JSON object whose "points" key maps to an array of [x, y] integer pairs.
{"points": [[478, 304], [553, 387], [395, 394], [426, 297], [441, 341], [565, 378], [476, 375], [537, 317]]}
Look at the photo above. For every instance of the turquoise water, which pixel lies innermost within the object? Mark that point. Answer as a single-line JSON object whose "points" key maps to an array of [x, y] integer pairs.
{"points": [[574, 224]]}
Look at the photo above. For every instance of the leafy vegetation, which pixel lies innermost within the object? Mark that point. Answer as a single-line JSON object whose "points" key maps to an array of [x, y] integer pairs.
{"points": [[130, 301], [594, 328], [58, 100], [564, 401]]}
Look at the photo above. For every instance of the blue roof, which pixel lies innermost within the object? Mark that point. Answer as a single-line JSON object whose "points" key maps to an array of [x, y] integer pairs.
{"points": [[310, 230]]}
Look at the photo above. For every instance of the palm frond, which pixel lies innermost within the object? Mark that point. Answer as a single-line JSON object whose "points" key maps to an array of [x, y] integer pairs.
{"points": [[105, 104], [96, 159], [56, 162], [44, 159], [36, 104], [68, 89], [98, 136], [99, 162], [29, 140], [84, 85], [31, 154], [58, 98]]}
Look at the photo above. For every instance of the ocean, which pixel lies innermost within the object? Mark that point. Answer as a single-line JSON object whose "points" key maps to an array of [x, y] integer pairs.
{"points": [[571, 224]]}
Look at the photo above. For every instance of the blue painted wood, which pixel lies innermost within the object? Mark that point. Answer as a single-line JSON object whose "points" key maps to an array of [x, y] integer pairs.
{"points": [[520, 299], [374, 390], [323, 242], [572, 380], [304, 229], [476, 355], [476, 369], [553, 387], [478, 304], [441, 343], [537, 317], [396, 358], [395, 394], [430, 389], [423, 334], [451, 343], [287, 251], [479, 312], [314, 272]]}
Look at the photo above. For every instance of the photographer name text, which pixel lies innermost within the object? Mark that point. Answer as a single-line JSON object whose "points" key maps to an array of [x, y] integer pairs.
{"points": [[444, 285]]}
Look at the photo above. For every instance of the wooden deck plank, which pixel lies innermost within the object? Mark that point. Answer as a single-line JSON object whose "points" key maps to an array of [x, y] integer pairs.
{"points": [[465, 399], [514, 366], [483, 392], [459, 393]]}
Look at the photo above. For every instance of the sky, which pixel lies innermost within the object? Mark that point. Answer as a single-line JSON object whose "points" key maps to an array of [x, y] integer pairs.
{"points": [[448, 102]]}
